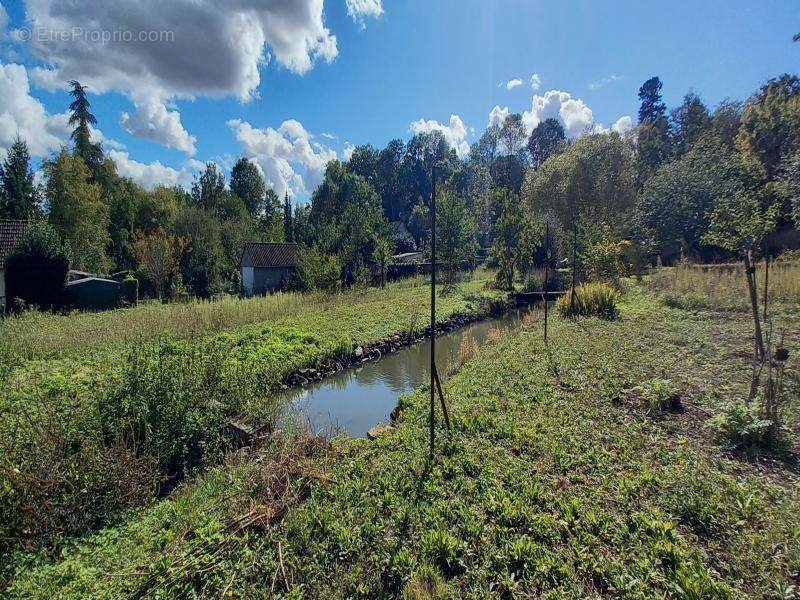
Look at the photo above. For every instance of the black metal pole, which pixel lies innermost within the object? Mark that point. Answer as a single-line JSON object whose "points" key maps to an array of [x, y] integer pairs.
{"points": [[546, 271], [433, 303]]}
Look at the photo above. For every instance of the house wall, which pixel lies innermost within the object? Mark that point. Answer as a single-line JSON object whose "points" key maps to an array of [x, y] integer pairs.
{"points": [[247, 280], [269, 279]]}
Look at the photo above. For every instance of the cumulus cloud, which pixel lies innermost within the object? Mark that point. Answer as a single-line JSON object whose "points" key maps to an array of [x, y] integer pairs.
{"points": [[497, 115], [512, 83], [455, 133], [190, 48], [360, 10], [153, 121], [289, 158], [596, 85], [623, 125], [150, 175], [22, 114], [348, 150], [574, 114], [536, 82]]}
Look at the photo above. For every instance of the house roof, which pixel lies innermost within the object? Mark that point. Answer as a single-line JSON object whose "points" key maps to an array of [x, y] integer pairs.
{"points": [[10, 232], [269, 254]]}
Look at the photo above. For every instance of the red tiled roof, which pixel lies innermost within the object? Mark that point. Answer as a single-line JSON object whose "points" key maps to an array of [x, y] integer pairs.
{"points": [[10, 232], [271, 254]]}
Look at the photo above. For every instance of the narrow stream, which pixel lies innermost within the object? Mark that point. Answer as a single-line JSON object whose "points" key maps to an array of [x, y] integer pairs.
{"points": [[355, 399]]}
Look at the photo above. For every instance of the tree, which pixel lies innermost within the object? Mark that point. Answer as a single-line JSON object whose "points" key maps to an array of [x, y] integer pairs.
{"points": [[36, 268], [19, 198], [82, 120], [288, 230], [770, 125], [511, 241], [455, 233], [247, 184], [389, 185], [675, 201], [78, 211], [201, 263], [159, 256], [689, 121], [546, 139], [364, 162], [739, 223], [652, 107], [512, 134], [208, 188]]}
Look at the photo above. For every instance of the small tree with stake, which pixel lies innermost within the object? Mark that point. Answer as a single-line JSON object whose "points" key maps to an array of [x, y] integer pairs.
{"points": [[739, 223]]}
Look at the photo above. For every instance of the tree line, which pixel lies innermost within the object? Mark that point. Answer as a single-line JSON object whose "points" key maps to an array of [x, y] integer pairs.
{"points": [[689, 181]]}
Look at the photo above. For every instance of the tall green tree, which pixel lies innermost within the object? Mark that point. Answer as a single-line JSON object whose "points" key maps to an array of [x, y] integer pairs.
{"points": [[288, 229], [77, 211], [82, 119], [511, 243], [546, 139], [19, 197], [512, 135], [690, 120], [652, 107], [208, 188], [247, 184], [455, 233]]}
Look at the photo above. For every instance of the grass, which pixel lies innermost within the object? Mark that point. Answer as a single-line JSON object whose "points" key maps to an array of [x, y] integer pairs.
{"points": [[549, 486], [88, 432], [723, 287]]}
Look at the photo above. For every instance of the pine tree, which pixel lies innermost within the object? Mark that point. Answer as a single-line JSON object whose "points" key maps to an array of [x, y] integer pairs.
{"points": [[652, 106], [83, 119], [288, 230], [19, 198]]}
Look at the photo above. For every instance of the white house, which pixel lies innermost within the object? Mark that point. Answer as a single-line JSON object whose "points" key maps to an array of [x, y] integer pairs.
{"points": [[266, 266]]}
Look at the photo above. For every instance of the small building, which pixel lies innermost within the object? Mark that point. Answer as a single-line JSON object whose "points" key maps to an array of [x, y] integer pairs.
{"points": [[93, 293], [10, 233], [266, 266]]}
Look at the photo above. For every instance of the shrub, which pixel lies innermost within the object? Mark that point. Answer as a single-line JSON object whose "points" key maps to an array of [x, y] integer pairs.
{"points": [[594, 298], [36, 268], [315, 270], [743, 426]]}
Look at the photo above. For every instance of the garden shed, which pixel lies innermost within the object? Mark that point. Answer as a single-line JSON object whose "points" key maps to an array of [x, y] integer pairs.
{"points": [[266, 266], [10, 233], [93, 293]]}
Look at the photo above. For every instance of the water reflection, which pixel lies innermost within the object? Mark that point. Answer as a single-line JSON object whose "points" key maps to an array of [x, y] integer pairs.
{"points": [[355, 399]]}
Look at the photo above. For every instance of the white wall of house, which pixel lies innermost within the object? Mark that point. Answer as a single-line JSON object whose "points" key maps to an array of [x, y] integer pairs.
{"points": [[247, 280]]}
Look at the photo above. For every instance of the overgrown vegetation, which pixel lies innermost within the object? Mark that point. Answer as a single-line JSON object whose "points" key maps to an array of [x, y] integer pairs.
{"points": [[548, 486], [590, 299]]}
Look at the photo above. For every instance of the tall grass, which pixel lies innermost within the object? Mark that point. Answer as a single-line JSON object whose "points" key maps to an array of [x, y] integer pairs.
{"points": [[723, 286]]}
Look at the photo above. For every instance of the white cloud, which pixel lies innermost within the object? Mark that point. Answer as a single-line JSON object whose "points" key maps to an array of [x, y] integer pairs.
{"points": [[497, 115], [536, 82], [152, 121], [574, 114], [623, 125], [328, 136], [360, 10], [349, 148], [289, 158], [596, 85], [512, 83], [3, 20], [152, 174], [22, 114], [455, 133], [199, 48]]}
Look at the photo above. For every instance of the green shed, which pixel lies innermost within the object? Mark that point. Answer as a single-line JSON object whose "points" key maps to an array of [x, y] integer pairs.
{"points": [[93, 293]]}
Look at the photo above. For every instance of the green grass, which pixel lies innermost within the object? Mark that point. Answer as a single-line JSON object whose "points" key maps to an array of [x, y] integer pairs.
{"points": [[90, 429], [549, 486]]}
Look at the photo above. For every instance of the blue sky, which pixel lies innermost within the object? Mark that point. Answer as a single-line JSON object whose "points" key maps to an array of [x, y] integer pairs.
{"points": [[411, 60]]}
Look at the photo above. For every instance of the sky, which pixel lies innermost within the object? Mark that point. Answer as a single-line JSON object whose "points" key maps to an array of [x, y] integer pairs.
{"points": [[293, 84]]}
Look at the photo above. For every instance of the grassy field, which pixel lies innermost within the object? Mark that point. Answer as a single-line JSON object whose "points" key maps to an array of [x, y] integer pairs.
{"points": [[97, 409], [557, 481]]}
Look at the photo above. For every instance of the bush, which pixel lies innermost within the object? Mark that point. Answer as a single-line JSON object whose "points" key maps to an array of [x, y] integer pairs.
{"points": [[744, 427], [598, 299], [315, 270], [36, 268]]}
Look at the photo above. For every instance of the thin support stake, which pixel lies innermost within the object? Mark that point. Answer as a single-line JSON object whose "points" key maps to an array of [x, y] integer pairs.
{"points": [[433, 304], [441, 396]]}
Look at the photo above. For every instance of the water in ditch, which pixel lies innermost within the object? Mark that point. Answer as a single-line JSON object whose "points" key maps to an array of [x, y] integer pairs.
{"points": [[355, 399]]}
